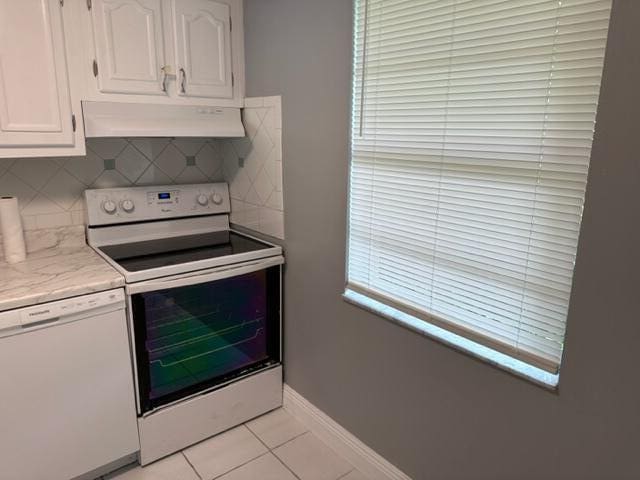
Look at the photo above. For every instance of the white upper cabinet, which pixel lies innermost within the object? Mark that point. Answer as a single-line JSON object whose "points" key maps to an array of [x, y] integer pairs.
{"points": [[202, 30], [36, 114], [55, 53], [183, 52], [129, 46]]}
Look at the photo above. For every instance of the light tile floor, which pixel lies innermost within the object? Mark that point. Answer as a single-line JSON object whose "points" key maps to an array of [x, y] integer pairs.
{"points": [[274, 446]]}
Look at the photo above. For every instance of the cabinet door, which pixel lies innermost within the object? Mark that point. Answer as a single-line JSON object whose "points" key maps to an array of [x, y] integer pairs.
{"points": [[35, 105], [202, 31], [129, 42]]}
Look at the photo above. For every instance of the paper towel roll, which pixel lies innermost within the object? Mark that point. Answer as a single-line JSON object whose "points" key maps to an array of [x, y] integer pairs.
{"points": [[11, 228]]}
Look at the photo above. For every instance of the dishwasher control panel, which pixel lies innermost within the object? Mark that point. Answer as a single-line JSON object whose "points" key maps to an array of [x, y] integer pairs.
{"points": [[54, 312]]}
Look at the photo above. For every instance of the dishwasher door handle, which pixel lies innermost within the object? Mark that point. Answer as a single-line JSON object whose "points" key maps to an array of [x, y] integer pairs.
{"points": [[40, 323]]}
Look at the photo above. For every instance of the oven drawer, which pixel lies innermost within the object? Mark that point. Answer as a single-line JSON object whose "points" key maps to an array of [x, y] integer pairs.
{"points": [[173, 428]]}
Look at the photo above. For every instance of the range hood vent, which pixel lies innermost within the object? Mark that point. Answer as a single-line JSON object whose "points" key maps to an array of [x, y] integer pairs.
{"points": [[109, 119]]}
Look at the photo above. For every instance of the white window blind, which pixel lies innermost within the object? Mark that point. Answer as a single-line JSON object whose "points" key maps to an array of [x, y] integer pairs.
{"points": [[471, 136]]}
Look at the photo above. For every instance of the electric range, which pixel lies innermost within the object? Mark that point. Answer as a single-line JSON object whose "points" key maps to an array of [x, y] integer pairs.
{"points": [[204, 309]]}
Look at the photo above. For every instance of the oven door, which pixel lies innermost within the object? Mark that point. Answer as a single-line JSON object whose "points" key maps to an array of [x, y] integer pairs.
{"points": [[199, 331]]}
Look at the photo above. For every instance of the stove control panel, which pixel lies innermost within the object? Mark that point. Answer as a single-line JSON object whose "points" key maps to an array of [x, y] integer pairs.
{"points": [[108, 206]]}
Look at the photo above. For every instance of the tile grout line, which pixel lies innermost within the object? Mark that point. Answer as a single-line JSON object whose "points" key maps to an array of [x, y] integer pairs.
{"points": [[291, 439], [348, 473], [151, 164], [39, 190], [152, 160], [234, 468], [88, 185], [246, 424], [241, 465], [191, 465], [181, 172], [116, 155], [243, 122], [285, 465], [200, 170], [273, 453], [323, 442]]}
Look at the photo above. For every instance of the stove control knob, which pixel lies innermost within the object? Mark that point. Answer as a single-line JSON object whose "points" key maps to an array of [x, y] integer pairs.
{"points": [[109, 206], [202, 199], [216, 198], [127, 205]]}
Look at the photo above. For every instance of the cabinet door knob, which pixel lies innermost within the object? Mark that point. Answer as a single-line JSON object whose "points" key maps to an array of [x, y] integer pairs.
{"points": [[183, 80]]}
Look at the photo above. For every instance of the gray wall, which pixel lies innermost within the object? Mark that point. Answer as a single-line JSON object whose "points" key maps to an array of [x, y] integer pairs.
{"points": [[432, 411]]}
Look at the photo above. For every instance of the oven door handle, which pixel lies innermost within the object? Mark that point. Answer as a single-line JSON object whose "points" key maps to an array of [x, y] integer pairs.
{"points": [[205, 276]]}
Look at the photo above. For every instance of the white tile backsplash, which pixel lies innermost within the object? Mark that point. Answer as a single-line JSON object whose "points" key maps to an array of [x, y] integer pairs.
{"points": [[49, 190], [131, 163], [253, 168], [107, 148], [171, 161]]}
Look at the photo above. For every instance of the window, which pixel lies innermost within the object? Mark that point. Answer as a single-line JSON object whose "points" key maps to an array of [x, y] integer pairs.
{"points": [[472, 126]]}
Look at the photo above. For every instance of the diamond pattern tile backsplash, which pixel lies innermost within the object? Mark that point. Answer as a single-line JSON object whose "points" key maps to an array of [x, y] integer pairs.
{"points": [[253, 168], [49, 190]]}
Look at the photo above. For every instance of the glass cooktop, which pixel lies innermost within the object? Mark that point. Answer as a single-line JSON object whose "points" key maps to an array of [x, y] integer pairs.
{"points": [[149, 254]]}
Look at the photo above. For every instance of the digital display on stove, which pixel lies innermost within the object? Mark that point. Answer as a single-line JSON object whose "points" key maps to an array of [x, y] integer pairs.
{"points": [[164, 196]]}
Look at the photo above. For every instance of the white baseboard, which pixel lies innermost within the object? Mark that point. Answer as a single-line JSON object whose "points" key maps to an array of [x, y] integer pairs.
{"points": [[347, 445]]}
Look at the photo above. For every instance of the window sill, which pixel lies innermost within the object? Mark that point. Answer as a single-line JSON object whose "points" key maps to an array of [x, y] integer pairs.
{"points": [[505, 362]]}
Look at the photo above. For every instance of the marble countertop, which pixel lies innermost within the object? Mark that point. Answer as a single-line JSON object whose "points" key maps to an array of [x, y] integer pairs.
{"points": [[55, 273]]}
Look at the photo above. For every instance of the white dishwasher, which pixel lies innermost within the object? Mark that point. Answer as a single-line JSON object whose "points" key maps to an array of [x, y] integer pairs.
{"points": [[67, 404]]}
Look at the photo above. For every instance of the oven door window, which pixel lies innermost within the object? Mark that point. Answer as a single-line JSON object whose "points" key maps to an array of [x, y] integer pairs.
{"points": [[195, 337]]}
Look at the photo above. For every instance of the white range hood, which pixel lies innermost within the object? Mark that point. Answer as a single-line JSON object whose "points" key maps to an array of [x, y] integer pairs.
{"points": [[110, 119]]}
